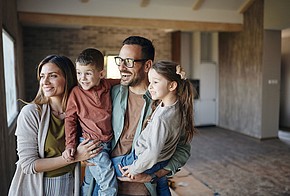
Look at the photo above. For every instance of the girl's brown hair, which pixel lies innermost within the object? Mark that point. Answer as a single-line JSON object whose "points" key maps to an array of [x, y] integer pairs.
{"points": [[185, 94]]}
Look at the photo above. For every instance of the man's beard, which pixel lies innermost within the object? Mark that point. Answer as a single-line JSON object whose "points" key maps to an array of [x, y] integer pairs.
{"points": [[135, 81]]}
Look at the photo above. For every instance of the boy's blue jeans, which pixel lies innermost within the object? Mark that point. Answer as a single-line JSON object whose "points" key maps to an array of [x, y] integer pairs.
{"points": [[103, 172], [162, 183]]}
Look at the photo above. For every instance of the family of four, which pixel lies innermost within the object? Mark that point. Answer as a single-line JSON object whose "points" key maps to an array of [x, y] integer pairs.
{"points": [[132, 132]]}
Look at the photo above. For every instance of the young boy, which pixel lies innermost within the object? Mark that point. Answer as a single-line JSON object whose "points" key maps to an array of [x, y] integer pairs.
{"points": [[89, 105]]}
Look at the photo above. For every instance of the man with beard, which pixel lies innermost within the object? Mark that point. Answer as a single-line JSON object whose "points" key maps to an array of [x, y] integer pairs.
{"points": [[131, 107]]}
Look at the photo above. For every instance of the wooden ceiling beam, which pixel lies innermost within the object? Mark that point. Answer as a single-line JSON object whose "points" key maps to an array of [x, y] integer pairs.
{"points": [[197, 4], [59, 20], [144, 3], [244, 7]]}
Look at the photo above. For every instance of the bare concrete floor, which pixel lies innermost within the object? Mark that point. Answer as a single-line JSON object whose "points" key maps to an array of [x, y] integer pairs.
{"points": [[232, 164]]}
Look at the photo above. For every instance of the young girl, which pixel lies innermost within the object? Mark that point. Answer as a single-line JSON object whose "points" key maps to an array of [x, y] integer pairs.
{"points": [[171, 119]]}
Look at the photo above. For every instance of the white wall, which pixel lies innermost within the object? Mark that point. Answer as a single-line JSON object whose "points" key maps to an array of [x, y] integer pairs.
{"points": [[271, 83], [276, 14]]}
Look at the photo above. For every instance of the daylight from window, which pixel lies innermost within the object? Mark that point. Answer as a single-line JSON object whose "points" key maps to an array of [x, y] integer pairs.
{"points": [[9, 76], [112, 68]]}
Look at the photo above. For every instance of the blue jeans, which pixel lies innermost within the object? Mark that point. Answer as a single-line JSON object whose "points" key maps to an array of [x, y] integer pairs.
{"points": [[89, 186], [103, 172], [162, 183]]}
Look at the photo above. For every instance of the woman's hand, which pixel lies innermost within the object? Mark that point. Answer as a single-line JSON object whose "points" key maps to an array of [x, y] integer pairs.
{"points": [[87, 149]]}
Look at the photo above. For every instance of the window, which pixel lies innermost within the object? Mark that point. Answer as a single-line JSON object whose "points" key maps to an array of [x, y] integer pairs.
{"points": [[111, 67], [9, 77]]}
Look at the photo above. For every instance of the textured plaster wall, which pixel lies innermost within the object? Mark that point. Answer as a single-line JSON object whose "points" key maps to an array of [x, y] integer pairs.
{"points": [[240, 71], [271, 83]]}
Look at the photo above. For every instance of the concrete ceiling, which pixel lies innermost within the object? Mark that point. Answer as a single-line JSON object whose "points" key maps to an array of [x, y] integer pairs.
{"points": [[204, 11]]}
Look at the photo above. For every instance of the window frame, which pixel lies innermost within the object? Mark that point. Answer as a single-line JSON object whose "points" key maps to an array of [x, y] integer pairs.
{"points": [[9, 61]]}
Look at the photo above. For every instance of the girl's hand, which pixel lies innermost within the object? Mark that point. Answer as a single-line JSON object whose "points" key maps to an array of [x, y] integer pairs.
{"points": [[126, 173], [141, 178], [87, 149]]}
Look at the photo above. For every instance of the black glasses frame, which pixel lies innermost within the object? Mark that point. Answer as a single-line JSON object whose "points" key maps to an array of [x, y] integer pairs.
{"points": [[128, 62]]}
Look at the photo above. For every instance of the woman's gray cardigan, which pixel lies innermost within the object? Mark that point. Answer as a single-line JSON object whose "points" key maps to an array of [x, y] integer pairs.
{"points": [[31, 132]]}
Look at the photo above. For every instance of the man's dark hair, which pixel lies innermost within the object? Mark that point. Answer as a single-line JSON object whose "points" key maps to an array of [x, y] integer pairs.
{"points": [[148, 50]]}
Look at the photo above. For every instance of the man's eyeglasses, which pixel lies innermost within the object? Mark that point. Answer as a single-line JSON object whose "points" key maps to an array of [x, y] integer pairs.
{"points": [[128, 62]]}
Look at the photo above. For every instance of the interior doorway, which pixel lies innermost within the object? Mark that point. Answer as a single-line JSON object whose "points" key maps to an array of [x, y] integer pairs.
{"points": [[284, 119]]}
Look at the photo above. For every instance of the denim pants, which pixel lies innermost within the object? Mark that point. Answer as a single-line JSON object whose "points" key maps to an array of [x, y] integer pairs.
{"points": [[162, 183], [103, 172]]}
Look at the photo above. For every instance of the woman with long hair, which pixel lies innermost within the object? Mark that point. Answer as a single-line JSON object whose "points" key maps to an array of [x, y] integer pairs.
{"points": [[41, 170]]}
